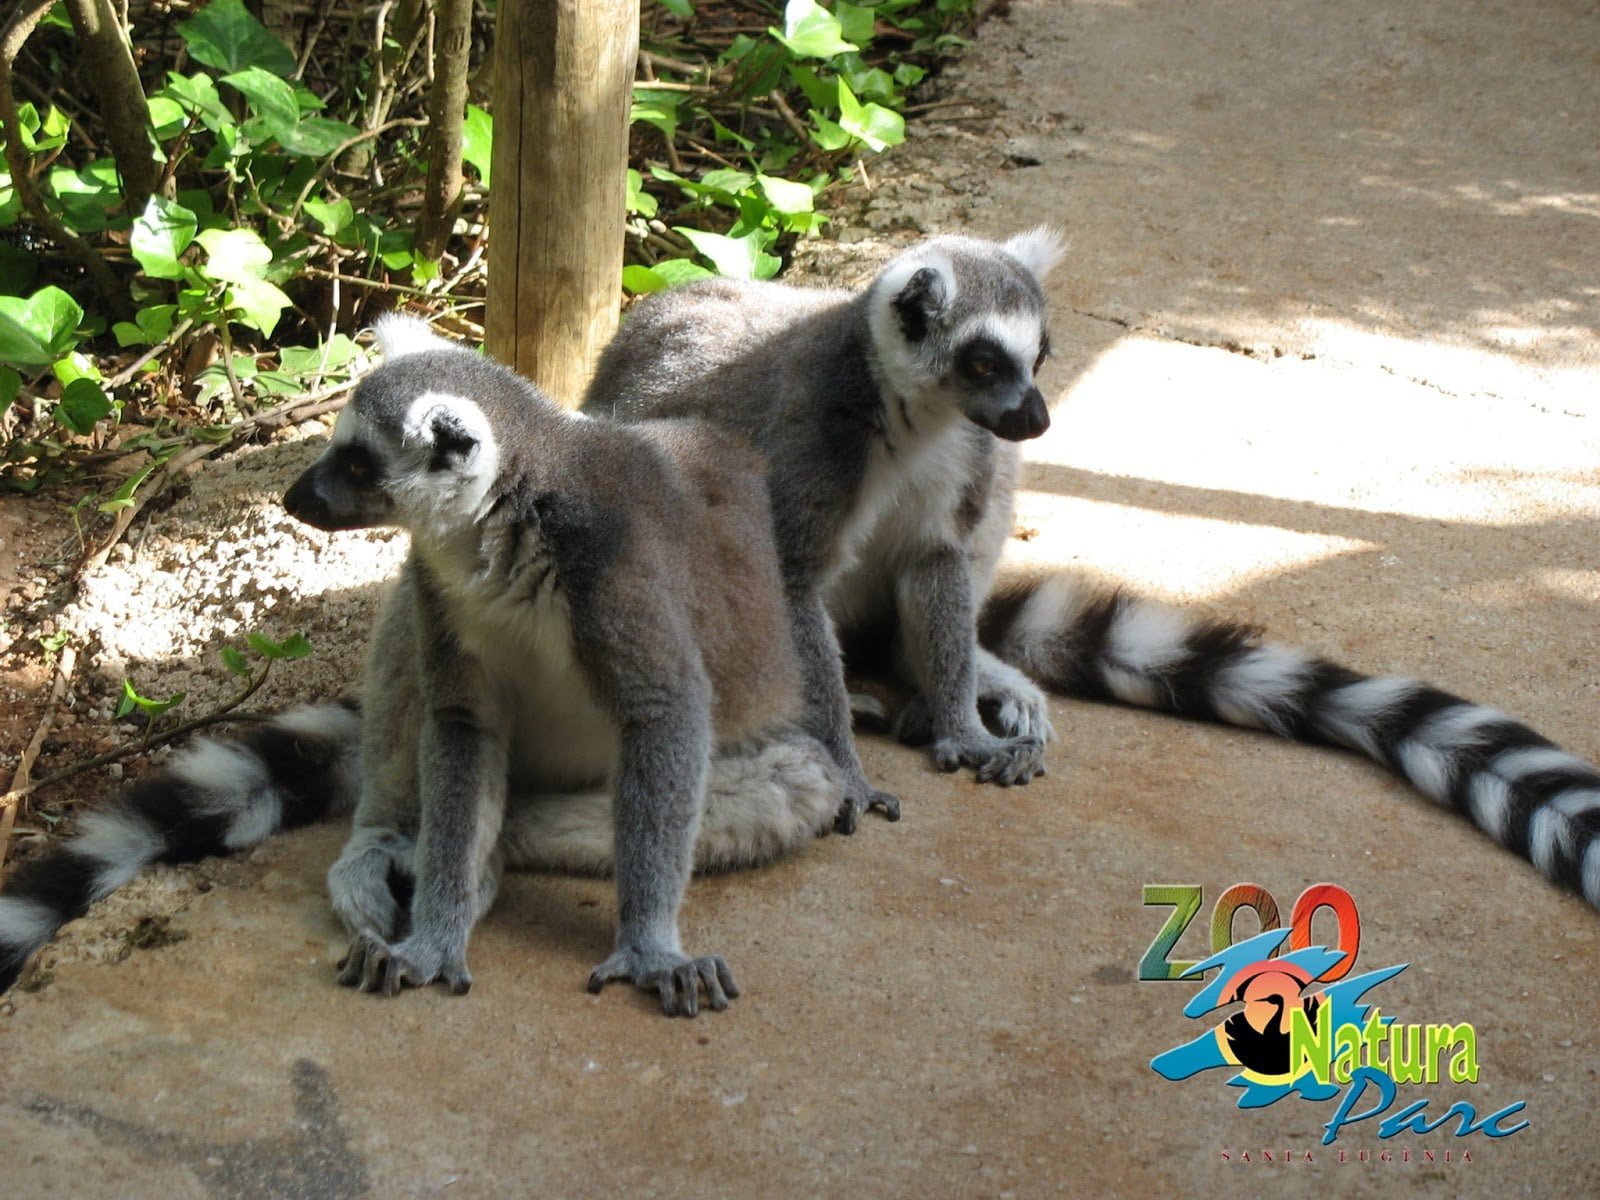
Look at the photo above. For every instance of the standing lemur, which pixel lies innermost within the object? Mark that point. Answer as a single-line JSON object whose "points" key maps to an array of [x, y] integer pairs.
{"points": [[890, 419], [584, 666]]}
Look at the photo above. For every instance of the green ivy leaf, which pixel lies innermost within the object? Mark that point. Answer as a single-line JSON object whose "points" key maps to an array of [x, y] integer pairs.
{"points": [[264, 646], [828, 135], [197, 94], [811, 31], [678, 271], [678, 8], [167, 117], [656, 108], [316, 137], [334, 218], [785, 195], [234, 255], [83, 402], [637, 280], [162, 232], [10, 384], [74, 366], [877, 126], [151, 325], [151, 708], [296, 645], [735, 257], [235, 662], [477, 141], [640, 201], [855, 22], [37, 331], [223, 35], [259, 304], [271, 99]]}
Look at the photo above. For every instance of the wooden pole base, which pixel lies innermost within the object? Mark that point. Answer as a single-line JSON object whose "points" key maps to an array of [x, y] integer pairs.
{"points": [[563, 77]]}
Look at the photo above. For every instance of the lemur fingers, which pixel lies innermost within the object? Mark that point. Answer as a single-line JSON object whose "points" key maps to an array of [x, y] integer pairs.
{"points": [[675, 978], [861, 797], [1005, 761], [375, 966]]}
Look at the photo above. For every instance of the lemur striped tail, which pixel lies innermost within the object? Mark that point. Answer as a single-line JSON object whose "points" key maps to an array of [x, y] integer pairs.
{"points": [[217, 797], [1530, 796]]}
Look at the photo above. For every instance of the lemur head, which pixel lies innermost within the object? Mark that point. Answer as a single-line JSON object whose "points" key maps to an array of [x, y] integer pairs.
{"points": [[959, 323], [415, 447]]}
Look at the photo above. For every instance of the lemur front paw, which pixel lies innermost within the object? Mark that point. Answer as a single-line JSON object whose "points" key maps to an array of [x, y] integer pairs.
{"points": [[375, 966], [676, 978], [1006, 761], [862, 797], [1006, 711]]}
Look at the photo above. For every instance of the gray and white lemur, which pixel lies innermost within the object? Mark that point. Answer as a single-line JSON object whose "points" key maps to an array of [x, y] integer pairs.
{"points": [[890, 419], [584, 666]]}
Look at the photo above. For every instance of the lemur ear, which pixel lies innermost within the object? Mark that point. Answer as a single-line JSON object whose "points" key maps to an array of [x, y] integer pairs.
{"points": [[399, 335], [452, 438], [920, 301], [1039, 249]]}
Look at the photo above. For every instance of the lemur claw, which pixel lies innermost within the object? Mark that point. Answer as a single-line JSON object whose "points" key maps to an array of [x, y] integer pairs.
{"points": [[676, 978], [867, 799], [375, 966]]}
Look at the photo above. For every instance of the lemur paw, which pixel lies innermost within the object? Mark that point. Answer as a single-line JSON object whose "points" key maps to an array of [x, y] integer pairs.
{"points": [[676, 978], [1006, 712], [863, 797], [1006, 761], [375, 966]]}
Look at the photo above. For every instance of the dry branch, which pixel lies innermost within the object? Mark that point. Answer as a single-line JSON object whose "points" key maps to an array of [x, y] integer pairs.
{"points": [[447, 103]]}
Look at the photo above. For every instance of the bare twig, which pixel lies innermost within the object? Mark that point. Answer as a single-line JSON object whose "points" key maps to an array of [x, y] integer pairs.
{"points": [[447, 104], [161, 347], [789, 119], [17, 790]]}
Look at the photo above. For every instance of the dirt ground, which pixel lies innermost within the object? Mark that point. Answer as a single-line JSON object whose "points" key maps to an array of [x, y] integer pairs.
{"points": [[1326, 361]]}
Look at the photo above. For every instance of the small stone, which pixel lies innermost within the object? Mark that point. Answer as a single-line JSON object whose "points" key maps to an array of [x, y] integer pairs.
{"points": [[114, 770]]}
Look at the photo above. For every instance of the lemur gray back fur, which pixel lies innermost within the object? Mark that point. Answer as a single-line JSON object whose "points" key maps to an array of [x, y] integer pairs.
{"points": [[893, 471], [584, 666]]}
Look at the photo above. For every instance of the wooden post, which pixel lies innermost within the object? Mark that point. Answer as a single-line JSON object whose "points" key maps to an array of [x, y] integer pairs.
{"points": [[563, 77]]}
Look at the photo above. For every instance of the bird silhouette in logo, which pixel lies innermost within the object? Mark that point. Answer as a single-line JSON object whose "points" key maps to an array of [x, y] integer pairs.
{"points": [[1258, 1034]]}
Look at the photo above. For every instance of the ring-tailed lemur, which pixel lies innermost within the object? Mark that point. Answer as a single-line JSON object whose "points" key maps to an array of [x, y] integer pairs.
{"points": [[584, 666], [890, 417], [877, 412]]}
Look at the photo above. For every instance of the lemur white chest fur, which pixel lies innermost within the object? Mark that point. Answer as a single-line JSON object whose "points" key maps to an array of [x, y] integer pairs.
{"points": [[916, 470], [507, 609]]}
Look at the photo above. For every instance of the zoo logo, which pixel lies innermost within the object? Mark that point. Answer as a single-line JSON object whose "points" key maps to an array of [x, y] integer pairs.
{"points": [[1304, 1026]]}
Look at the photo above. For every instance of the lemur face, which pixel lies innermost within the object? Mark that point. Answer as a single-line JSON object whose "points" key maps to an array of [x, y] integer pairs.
{"points": [[405, 451], [961, 325]]}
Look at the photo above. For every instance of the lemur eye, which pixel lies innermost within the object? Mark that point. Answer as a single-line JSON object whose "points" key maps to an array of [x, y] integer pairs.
{"points": [[357, 464], [982, 364], [1039, 362]]}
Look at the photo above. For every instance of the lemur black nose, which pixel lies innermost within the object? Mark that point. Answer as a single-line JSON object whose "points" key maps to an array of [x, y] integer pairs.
{"points": [[1027, 420], [303, 503]]}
